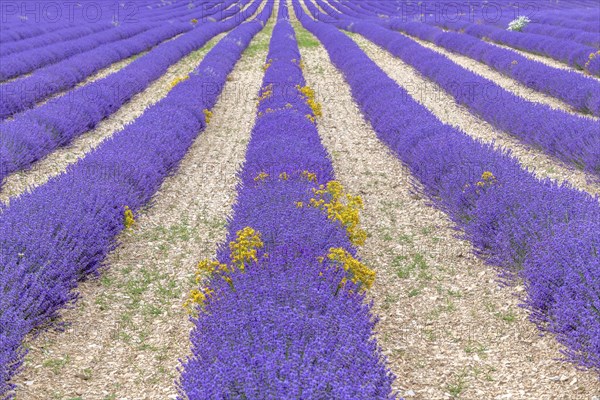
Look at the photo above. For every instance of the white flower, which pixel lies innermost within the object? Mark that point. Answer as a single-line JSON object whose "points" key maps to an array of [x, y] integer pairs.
{"points": [[518, 24]]}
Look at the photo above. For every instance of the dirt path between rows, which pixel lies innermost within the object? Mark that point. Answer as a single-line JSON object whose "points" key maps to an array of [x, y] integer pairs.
{"points": [[125, 335], [443, 107], [56, 162], [515, 87], [447, 327]]}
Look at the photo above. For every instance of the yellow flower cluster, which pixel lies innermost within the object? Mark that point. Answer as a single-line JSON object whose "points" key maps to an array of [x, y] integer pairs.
{"points": [[178, 80], [267, 64], [194, 21], [207, 115], [283, 176], [265, 92], [310, 176], [342, 207], [590, 58], [309, 95], [244, 248], [359, 272], [487, 179], [206, 268], [261, 177], [300, 63], [196, 296], [129, 220]]}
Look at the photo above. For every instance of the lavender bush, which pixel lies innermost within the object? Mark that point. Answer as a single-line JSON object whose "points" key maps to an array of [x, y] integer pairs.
{"points": [[580, 92], [570, 53], [27, 61], [35, 133], [60, 233], [285, 328], [514, 220], [572, 139]]}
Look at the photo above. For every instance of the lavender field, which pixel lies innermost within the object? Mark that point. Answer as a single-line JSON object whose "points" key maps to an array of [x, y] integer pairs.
{"points": [[299, 199]]}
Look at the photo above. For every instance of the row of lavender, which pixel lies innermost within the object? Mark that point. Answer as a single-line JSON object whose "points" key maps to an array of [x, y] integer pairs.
{"points": [[32, 20], [537, 230], [27, 61], [577, 56], [52, 48], [35, 133], [580, 56], [61, 232], [24, 93], [580, 92], [570, 138], [17, 24], [281, 311], [584, 37], [51, 30], [573, 15]]}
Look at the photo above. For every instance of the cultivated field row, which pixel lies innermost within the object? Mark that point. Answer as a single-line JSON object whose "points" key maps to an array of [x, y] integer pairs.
{"points": [[252, 136]]}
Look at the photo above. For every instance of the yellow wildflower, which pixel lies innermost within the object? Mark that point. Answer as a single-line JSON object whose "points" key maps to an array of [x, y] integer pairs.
{"points": [[487, 175], [309, 95], [207, 115], [129, 219], [178, 80], [343, 207], [310, 176], [267, 64], [359, 273], [244, 248], [590, 58], [261, 177], [265, 92]]}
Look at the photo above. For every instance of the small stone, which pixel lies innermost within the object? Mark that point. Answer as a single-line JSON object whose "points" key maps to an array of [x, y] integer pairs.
{"points": [[29, 383], [409, 393]]}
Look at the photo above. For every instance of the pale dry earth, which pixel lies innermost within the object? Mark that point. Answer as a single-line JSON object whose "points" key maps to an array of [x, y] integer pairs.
{"points": [[443, 107], [506, 83], [127, 332], [448, 328], [56, 162]]}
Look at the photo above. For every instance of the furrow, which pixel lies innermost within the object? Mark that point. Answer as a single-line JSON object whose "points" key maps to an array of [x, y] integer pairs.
{"points": [[503, 81], [129, 328], [57, 161], [444, 107], [448, 328]]}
